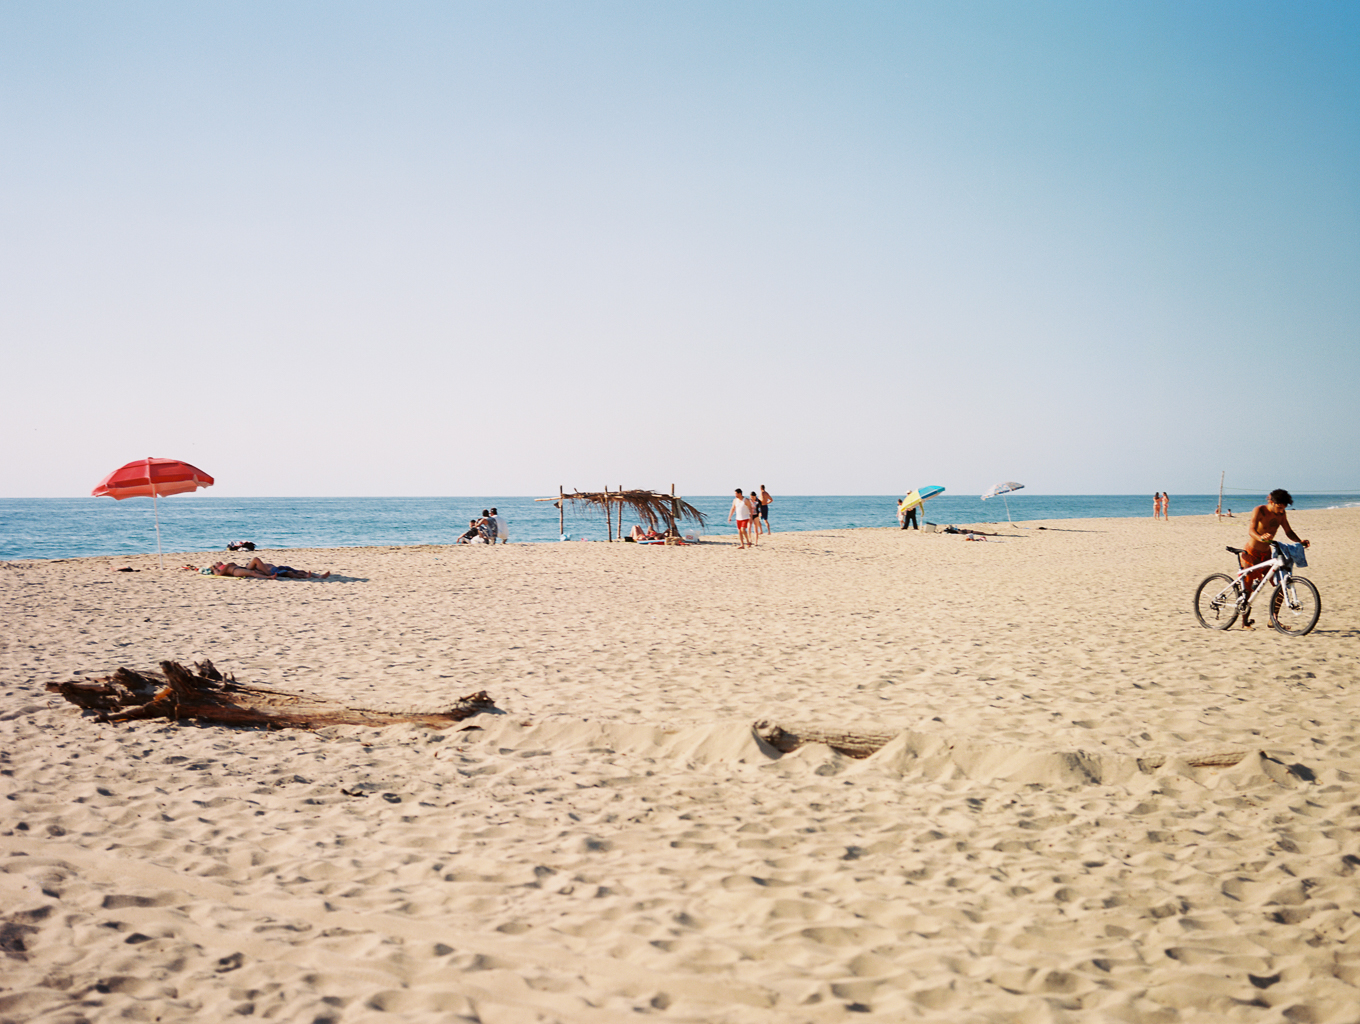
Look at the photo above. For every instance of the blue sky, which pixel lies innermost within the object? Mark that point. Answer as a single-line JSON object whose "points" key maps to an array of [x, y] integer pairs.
{"points": [[334, 249]]}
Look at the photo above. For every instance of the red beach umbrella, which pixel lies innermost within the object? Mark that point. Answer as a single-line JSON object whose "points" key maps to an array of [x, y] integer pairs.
{"points": [[153, 477]]}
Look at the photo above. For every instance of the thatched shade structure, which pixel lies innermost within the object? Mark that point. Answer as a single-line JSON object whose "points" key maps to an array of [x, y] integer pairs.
{"points": [[652, 508]]}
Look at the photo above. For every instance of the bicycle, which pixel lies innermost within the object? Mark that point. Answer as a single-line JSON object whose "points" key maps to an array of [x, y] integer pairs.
{"points": [[1294, 604]]}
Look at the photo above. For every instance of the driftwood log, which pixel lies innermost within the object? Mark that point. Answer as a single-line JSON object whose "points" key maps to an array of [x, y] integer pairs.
{"points": [[208, 696], [863, 742]]}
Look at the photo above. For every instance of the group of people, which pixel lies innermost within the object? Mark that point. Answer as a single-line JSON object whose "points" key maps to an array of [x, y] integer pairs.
{"points": [[486, 530], [1161, 502], [752, 513]]}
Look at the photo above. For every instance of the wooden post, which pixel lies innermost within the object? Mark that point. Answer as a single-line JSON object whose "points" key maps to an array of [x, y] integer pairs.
{"points": [[620, 511], [608, 515], [561, 511]]}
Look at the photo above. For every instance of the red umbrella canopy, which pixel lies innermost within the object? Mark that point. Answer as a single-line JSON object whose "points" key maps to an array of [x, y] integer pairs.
{"points": [[152, 478]]}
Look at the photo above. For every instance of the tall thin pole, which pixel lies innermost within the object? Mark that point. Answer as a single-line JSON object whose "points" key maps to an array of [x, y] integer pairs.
{"points": [[1221, 474], [608, 515], [620, 511], [157, 510], [561, 511]]}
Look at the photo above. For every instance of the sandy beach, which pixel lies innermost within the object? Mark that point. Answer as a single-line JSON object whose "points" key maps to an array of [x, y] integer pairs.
{"points": [[1034, 844]]}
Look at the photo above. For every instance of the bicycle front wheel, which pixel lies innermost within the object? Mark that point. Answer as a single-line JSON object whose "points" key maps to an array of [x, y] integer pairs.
{"points": [[1216, 601], [1295, 607]]}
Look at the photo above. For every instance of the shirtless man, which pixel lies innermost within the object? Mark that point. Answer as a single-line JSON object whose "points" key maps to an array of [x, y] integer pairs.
{"points": [[1265, 521], [232, 569], [765, 500], [258, 569]]}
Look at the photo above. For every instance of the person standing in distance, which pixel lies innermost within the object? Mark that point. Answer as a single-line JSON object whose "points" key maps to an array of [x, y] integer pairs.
{"points": [[765, 500], [742, 511]]}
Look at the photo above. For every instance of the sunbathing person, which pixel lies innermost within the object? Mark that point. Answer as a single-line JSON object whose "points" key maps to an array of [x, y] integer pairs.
{"points": [[232, 569], [639, 533], [258, 569]]}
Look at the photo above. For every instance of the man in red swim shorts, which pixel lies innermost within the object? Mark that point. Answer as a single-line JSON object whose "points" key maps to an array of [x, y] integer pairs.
{"points": [[1265, 521]]}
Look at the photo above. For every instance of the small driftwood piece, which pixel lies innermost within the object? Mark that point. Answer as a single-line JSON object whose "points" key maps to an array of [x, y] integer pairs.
{"points": [[208, 696], [862, 743], [859, 743], [1225, 759]]}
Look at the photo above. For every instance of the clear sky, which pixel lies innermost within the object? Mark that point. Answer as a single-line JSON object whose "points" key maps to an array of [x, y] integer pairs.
{"points": [[489, 248]]}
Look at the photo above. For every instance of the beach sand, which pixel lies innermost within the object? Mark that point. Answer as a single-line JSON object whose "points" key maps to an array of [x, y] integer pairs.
{"points": [[618, 843]]}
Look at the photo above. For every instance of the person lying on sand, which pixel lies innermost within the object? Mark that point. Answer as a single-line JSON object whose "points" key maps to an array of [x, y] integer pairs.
{"points": [[258, 569]]}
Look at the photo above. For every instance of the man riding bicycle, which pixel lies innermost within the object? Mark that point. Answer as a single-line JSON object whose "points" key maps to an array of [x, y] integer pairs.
{"points": [[1265, 521]]}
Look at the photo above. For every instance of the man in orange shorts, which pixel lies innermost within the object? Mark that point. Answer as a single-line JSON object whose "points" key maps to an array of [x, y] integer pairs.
{"points": [[1265, 521]]}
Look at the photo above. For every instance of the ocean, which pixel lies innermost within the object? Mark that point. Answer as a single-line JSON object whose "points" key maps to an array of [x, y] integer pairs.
{"points": [[46, 528]]}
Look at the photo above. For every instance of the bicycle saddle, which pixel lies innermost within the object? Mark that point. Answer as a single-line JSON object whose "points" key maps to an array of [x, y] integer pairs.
{"points": [[1236, 551]]}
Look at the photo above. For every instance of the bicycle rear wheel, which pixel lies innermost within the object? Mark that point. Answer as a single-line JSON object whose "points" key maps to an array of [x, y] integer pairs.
{"points": [[1295, 607], [1216, 601]]}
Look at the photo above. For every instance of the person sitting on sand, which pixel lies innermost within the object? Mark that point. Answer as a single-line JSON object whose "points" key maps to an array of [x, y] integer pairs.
{"points": [[486, 526], [471, 535], [258, 569], [639, 533]]}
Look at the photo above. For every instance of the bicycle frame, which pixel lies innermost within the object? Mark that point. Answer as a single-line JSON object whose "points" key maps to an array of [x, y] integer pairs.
{"points": [[1277, 571]]}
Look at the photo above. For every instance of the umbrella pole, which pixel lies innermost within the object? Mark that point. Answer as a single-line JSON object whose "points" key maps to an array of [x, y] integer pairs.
{"points": [[157, 510], [1008, 510]]}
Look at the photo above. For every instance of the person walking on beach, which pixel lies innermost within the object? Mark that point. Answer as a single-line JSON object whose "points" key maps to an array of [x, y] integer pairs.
{"points": [[1265, 521], [909, 516], [1157, 505], [742, 511], [753, 503], [765, 500], [1166, 505], [501, 531]]}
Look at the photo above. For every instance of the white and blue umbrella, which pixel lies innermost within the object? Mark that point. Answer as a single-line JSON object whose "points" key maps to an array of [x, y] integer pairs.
{"points": [[1001, 490]]}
